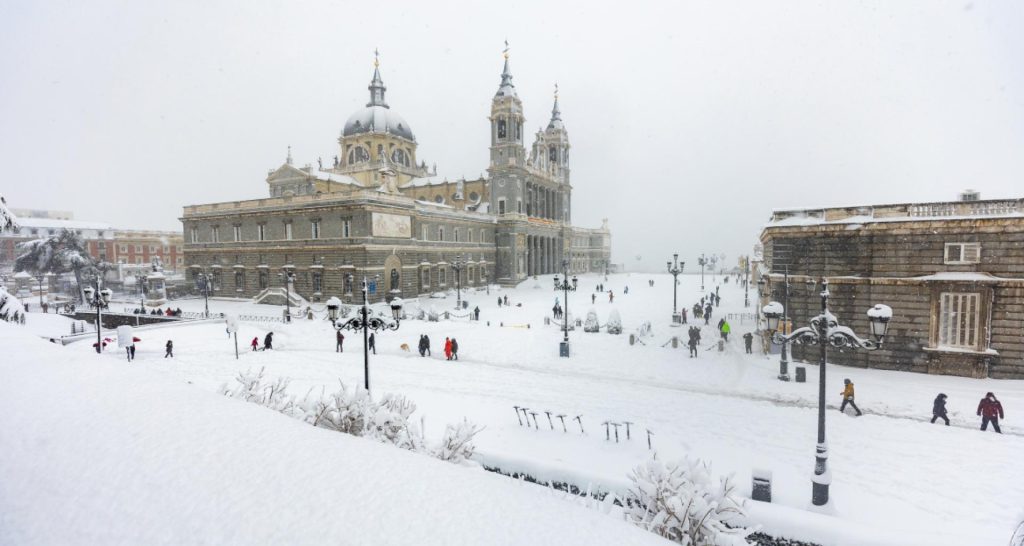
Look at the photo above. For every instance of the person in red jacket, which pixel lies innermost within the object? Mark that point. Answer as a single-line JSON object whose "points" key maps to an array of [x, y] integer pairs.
{"points": [[991, 411]]}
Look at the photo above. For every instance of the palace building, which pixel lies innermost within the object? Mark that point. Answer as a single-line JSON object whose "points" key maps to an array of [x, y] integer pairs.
{"points": [[380, 212]]}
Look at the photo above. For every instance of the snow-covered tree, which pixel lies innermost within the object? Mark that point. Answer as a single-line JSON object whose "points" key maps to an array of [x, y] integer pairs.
{"points": [[591, 324], [8, 221], [66, 252], [11, 308], [614, 322], [680, 502]]}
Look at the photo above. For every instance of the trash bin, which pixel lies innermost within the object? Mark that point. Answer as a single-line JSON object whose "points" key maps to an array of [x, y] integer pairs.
{"points": [[801, 374], [761, 489], [563, 349]]}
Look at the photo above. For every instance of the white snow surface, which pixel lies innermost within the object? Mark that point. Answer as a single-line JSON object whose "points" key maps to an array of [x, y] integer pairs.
{"points": [[98, 452], [896, 478]]}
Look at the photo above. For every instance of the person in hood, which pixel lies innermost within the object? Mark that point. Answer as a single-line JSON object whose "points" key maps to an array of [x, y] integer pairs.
{"points": [[268, 341], [448, 348], [991, 411], [339, 342], [939, 409], [255, 344], [455, 349], [169, 349], [848, 397]]}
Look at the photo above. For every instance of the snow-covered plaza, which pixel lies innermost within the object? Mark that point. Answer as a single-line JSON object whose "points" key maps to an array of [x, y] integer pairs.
{"points": [[897, 479]]}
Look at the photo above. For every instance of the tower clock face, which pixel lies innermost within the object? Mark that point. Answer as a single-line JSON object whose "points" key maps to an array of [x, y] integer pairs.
{"points": [[501, 183]]}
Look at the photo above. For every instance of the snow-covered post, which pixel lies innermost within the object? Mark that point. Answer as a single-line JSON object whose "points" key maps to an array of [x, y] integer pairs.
{"points": [[548, 413], [517, 415], [616, 425], [526, 416], [561, 417], [649, 433], [534, 414], [580, 421], [627, 423], [607, 431]]}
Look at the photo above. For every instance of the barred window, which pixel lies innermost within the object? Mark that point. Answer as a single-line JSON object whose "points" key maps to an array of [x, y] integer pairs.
{"points": [[962, 253], [959, 315]]}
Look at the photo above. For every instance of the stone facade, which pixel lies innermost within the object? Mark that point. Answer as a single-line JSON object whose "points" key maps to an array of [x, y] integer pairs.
{"points": [[952, 272], [377, 213]]}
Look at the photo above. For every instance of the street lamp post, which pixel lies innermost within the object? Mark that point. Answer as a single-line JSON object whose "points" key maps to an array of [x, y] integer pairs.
{"points": [[702, 261], [366, 323], [205, 279], [142, 279], [457, 266], [675, 269], [565, 287], [287, 277], [100, 299], [746, 281], [824, 331]]}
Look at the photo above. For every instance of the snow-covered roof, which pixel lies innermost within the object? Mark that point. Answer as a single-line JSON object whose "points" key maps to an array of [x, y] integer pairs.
{"points": [[377, 119], [424, 181], [962, 276], [49, 223], [433, 204], [332, 177]]}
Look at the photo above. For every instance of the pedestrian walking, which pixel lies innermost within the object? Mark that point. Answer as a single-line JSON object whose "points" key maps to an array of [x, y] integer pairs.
{"points": [[499, 301], [455, 349], [426, 344], [339, 341], [748, 342], [506, 300], [255, 343], [421, 346], [684, 315], [725, 329], [991, 411], [169, 349], [268, 341], [939, 409], [707, 312], [131, 351], [593, 298], [372, 343], [448, 348], [848, 397], [476, 313], [611, 296]]}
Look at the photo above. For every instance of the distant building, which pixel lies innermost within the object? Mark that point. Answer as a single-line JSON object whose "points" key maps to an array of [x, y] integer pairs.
{"points": [[953, 272], [378, 211]]}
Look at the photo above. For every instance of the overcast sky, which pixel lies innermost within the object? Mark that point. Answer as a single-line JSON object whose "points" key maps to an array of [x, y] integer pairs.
{"points": [[689, 121]]}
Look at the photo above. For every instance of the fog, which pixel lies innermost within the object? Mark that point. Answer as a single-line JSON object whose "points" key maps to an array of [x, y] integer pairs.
{"points": [[689, 122]]}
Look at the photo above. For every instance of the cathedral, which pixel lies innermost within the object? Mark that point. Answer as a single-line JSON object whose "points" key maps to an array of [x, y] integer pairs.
{"points": [[380, 212]]}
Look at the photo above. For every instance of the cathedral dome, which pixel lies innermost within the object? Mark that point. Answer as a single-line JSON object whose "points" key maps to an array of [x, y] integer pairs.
{"points": [[377, 118]]}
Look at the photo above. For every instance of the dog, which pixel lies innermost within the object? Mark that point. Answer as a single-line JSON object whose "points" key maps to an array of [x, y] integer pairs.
{"points": [[405, 347]]}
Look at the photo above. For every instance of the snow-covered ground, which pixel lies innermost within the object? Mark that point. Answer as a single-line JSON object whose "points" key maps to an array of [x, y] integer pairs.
{"points": [[896, 478]]}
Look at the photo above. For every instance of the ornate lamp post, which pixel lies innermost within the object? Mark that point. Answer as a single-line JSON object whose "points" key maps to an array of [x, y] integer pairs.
{"points": [[824, 331], [675, 269], [142, 279], [784, 360], [99, 299], [366, 323], [702, 261], [287, 277], [746, 281], [204, 284], [333, 307], [457, 266], [565, 287]]}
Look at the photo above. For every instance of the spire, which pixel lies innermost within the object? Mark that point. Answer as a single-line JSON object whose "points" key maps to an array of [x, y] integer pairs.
{"points": [[506, 89], [288, 160], [556, 114], [377, 87]]}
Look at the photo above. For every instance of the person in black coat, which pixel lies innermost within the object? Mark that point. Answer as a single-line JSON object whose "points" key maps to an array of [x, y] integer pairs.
{"points": [[268, 341], [455, 349], [939, 409], [372, 344], [169, 349]]}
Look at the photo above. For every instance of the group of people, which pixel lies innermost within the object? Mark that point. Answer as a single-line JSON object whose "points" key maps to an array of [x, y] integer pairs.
{"points": [[503, 300], [724, 329], [990, 410], [694, 342], [339, 342], [451, 347], [557, 310], [268, 342], [168, 313]]}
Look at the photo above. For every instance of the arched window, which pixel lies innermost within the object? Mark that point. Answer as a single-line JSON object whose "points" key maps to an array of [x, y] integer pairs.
{"points": [[358, 154], [398, 156], [439, 199], [552, 154], [502, 131]]}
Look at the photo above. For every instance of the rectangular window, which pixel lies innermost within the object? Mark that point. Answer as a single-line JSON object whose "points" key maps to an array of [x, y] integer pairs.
{"points": [[288, 231], [138, 249], [456, 235], [264, 277], [347, 286], [962, 253], [152, 249], [519, 206], [442, 275], [424, 238], [238, 233], [470, 233], [315, 230], [440, 233], [193, 236], [501, 206], [261, 233], [239, 280], [124, 248], [483, 236], [317, 282], [167, 249], [346, 228], [215, 234], [959, 315], [424, 279], [216, 279]]}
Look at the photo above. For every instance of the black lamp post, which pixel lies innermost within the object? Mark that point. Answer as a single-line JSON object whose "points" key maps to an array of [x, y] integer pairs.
{"points": [[366, 323], [824, 331], [333, 308], [142, 279], [204, 283], [746, 281], [675, 269], [287, 277], [702, 261], [100, 299], [565, 287], [457, 266]]}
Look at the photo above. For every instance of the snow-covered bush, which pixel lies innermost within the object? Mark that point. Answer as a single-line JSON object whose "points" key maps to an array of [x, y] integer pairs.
{"points": [[11, 308], [614, 322], [679, 502], [252, 387], [391, 424], [432, 315], [591, 325], [456, 444]]}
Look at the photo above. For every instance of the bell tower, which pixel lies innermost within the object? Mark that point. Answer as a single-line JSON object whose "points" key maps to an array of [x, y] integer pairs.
{"points": [[507, 122]]}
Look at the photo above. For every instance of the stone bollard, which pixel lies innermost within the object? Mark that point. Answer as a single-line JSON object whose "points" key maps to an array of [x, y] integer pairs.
{"points": [[761, 490], [632, 339], [721, 345], [547, 321], [675, 342], [801, 374]]}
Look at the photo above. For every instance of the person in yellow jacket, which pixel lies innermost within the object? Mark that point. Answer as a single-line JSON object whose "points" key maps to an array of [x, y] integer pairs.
{"points": [[848, 397]]}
